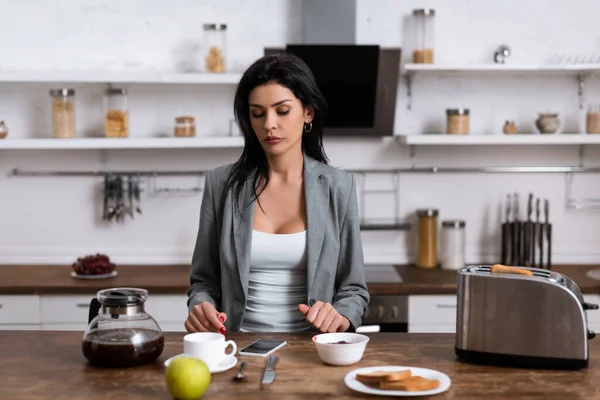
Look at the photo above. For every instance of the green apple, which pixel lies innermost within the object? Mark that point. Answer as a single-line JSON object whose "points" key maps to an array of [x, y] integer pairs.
{"points": [[187, 378]]}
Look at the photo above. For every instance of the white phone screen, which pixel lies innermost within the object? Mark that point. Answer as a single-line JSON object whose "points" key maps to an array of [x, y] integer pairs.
{"points": [[262, 347]]}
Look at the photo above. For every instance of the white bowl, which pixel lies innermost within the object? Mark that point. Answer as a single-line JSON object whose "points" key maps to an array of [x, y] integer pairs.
{"points": [[340, 354]]}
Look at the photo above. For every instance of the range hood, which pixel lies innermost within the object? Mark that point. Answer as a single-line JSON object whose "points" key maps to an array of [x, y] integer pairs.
{"points": [[359, 82]]}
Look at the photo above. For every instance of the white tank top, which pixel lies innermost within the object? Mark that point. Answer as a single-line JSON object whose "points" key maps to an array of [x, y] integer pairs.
{"points": [[277, 283]]}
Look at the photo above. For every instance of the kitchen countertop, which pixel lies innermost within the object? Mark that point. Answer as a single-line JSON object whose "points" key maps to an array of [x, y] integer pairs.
{"points": [[174, 279], [50, 365]]}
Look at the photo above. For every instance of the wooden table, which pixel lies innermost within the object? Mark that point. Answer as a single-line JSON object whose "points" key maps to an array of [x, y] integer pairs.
{"points": [[49, 365]]}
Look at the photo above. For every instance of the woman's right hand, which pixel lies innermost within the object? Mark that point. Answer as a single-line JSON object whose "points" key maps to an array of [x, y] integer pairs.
{"points": [[205, 318]]}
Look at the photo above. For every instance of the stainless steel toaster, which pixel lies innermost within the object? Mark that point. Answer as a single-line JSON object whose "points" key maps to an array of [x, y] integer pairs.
{"points": [[522, 320]]}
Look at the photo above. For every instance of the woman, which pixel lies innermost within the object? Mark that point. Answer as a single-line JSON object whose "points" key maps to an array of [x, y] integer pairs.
{"points": [[279, 246]]}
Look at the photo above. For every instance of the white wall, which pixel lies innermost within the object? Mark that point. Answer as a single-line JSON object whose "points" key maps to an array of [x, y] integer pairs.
{"points": [[54, 220]]}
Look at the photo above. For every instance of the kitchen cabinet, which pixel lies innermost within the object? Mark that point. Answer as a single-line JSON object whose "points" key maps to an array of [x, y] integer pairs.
{"points": [[70, 312], [432, 313], [19, 312], [170, 311], [19, 327], [19, 309], [64, 308]]}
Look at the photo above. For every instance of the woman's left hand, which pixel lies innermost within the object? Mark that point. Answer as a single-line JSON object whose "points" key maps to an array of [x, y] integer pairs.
{"points": [[324, 317]]}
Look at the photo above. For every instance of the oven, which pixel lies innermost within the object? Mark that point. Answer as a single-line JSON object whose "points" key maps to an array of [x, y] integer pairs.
{"points": [[385, 313]]}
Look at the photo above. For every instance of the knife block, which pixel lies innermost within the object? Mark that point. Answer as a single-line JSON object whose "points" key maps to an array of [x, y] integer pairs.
{"points": [[527, 243]]}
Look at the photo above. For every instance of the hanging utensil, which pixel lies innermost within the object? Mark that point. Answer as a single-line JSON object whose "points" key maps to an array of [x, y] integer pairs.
{"points": [[120, 204], [105, 198], [112, 206], [130, 195], [136, 189]]}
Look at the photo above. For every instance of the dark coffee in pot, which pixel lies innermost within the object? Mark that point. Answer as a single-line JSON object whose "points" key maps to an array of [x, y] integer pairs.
{"points": [[123, 347]]}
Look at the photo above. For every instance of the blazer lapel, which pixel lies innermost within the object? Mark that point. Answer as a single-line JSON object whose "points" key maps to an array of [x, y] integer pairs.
{"points": [[242, 232], [316, 197]]}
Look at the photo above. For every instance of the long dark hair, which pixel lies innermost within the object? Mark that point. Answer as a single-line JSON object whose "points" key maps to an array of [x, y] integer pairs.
{"points": [[292, 72]]}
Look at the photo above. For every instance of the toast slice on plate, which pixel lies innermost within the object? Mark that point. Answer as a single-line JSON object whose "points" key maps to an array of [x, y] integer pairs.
{"points": [[377, 377], [411, 384]]}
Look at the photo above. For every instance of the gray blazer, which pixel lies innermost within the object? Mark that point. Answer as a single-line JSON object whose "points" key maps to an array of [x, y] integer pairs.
{"points": [[221, 261]]}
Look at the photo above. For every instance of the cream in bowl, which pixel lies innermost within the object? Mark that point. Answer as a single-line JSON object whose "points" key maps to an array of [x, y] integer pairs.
{"points": [[341, 348]]}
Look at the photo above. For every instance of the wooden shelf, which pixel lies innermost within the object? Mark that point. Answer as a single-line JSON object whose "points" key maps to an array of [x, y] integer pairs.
{"points": [[201, 142], [500, 139], [500, 69], [118, 77]]}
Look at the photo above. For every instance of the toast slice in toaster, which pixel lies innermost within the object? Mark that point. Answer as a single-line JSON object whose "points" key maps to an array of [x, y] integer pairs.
{"points": [[411, 384], [377, 377], [503, 269]]}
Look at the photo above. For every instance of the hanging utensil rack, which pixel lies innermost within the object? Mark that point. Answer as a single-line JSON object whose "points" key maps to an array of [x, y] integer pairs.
{"points": [[411, 170], [395, 224]]}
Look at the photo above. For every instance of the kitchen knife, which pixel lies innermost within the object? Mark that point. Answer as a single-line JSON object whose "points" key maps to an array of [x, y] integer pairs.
{"points": [[540, 233], [269, 374], [505, 245], [516, 231], [528, 226], [548, 233]]}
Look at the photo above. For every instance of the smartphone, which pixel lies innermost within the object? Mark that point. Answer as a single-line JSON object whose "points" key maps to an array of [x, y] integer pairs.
{"points": [[262, 347]]}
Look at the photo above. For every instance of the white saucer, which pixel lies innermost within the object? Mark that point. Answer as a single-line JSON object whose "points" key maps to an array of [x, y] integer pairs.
{"points": [[353, 384], [100, 276], [226, 364]]}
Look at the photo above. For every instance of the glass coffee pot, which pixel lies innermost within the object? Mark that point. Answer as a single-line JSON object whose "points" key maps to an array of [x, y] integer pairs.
{"points": [[120, 332]]}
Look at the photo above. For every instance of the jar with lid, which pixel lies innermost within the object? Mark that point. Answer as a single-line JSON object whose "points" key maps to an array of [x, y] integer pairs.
{"points": [[3, 130], [116, 120], [453, 245], [185, 127], [423, 23], [215, 40], [592, 120], [427, 238], [63, 113], [457, 121]]}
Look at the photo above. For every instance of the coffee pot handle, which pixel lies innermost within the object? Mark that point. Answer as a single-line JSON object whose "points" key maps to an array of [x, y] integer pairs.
{"points": [[94, 309]]}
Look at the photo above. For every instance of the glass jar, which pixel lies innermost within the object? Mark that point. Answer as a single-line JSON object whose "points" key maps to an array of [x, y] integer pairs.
{"points": [[3, 130], [116, 120], [592, 120], [215, 36], [63, 113], [457, 121], [185, 127], [423, 21], [427, 253], [453, 245]]}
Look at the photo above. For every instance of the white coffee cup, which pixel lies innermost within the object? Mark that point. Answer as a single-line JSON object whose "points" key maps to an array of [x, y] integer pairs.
{"points": [[208, 346]]}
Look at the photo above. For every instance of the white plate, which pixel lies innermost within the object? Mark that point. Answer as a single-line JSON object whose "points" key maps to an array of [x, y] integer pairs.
{"points": [[100, 276], [227, 363], [353, 384]]}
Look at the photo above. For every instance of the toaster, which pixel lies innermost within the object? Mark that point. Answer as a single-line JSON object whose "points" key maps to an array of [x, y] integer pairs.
{"points": [[521, 320]]}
